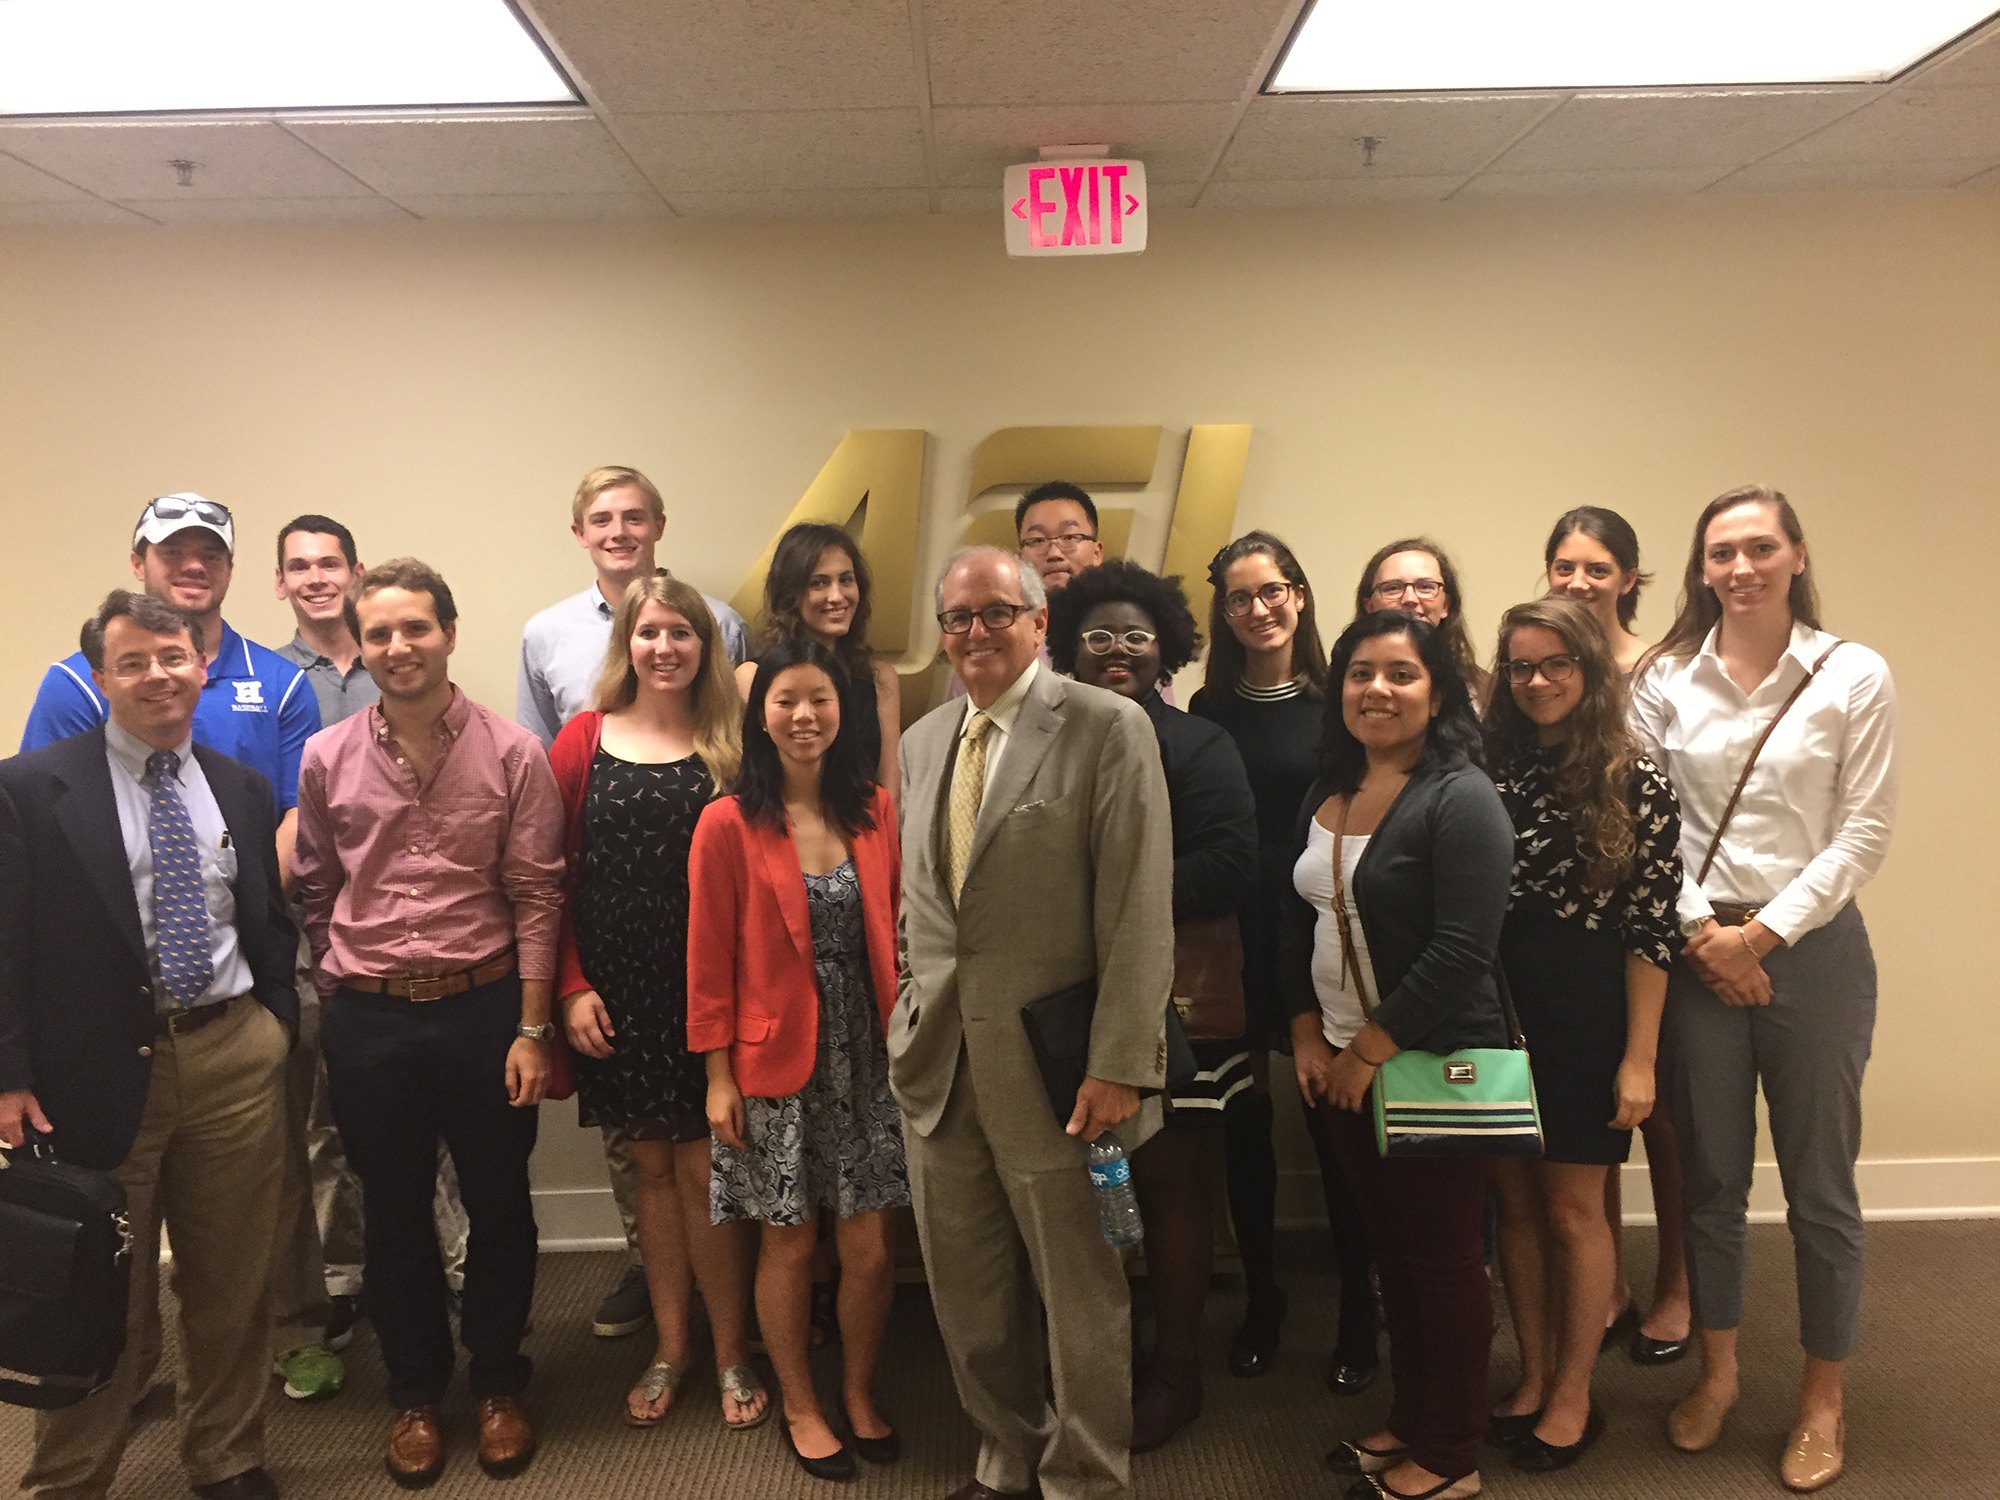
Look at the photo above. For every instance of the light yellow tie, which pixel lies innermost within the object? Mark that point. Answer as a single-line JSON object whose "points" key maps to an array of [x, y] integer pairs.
{"points": [[968, 787]]}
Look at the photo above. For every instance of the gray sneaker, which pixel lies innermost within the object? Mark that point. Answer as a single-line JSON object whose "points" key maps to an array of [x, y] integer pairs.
{"points": [[628, 1309]]}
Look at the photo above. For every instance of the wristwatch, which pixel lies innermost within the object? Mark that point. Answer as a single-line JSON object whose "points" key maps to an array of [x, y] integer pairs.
{"points": [[1693, 925], [539, 1033]]}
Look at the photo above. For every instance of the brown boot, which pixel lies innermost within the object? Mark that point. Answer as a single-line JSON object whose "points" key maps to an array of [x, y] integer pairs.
{"points": [[416, 1448], [506, 1441]]}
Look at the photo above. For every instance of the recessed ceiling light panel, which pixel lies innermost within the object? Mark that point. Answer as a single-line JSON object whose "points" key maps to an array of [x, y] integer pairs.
{"points": [[66, 57], [1395, 46]]}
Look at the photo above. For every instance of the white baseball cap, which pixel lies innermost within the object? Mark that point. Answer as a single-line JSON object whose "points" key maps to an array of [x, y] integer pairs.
{"points": [[171, 513]]}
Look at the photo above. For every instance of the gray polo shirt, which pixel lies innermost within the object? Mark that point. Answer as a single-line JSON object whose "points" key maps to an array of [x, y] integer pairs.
{"points": [[339, 695], [562, 651]]}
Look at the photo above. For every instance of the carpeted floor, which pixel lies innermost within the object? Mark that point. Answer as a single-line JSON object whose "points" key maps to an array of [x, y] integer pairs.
{"points": [[1923, 1406]]}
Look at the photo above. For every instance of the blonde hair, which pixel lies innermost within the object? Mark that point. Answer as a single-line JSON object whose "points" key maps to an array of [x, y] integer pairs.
{"points": [[597, 481], [718, 707]]}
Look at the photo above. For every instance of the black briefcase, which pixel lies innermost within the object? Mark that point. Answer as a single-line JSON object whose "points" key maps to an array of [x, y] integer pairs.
{"points": [[65, 1278], [1058, 1028]]}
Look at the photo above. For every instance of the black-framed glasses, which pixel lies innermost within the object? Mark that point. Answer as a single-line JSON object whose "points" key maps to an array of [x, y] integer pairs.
{"points": [[1237, 602], [1554, 669], [995, 617], [175, 508], [1395, 588], [1100, 642], [1069, 541]]}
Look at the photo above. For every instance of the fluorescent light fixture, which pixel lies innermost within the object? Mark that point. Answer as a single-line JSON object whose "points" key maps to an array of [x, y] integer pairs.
{"points": [[1392, 46], [66, 57]]}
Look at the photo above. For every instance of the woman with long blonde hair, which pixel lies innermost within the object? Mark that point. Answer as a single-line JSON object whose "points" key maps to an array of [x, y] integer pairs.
{"points": [[636, 771], [1586, 947]]}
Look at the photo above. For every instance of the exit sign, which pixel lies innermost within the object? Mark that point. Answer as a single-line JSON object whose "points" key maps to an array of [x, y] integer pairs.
{"points": [[1076, 208]]}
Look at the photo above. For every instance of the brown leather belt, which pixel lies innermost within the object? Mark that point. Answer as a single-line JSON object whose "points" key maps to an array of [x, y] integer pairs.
{"points": [[181, 1022], [437, 986], [1730, 914]]}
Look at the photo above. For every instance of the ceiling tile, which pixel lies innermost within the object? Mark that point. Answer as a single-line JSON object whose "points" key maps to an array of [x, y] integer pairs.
{"points": [[883, 202], [1662, 181], [970, 200], [1968, 65], [1327, 190], [1136, 51], [82, 211], [432, 156], [1985, 182], [1297, 139], [1911, 124], [1176, 141], [765, 151], [21, 183], [270, 210], [1780, 177], [128, 160], [652, 56], [1674, 130], [580, 207]]}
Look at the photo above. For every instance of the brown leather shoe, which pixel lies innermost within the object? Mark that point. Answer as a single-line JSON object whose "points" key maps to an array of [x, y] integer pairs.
{"points": [[506, 1441], [416, 1448]]}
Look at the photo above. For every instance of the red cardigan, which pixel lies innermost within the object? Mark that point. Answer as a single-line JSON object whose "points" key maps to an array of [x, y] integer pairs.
{"points": [[750, 957]]}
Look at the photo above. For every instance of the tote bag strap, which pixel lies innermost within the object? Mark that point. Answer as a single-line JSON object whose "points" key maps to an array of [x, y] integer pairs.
{"points": [[1729, 810]]}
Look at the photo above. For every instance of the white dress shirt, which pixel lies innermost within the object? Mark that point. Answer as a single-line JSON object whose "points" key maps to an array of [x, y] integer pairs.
{"points": [[1000, 733], [1814, 821], [128, 754]]}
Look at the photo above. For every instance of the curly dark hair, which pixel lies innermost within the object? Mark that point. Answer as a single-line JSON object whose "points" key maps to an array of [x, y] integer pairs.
{"points": [[1453, 739], [846, 780], [1121, 582]]}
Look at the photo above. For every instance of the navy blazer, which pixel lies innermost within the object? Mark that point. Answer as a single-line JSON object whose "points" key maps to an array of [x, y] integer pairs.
{"points": [[76, 992]]}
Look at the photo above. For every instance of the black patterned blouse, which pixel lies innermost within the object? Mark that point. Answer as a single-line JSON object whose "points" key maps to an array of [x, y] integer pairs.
{"points": [[1548, 876]]}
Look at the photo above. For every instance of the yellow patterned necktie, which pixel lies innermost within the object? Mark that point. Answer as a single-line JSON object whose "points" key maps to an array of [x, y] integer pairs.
{"points": [[968, 787]]}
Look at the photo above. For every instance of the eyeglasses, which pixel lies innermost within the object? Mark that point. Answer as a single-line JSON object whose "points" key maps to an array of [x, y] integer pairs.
{"points": [[995, 617], [1237, 604], [1423, 588], [131, 668], [1100, 642], [1554, 669], [1069, 541], [173, 508]]}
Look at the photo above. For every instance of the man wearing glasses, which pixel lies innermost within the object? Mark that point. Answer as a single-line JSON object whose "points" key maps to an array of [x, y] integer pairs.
{"points": [[255, 706], [1037, 855], [1056, 525]]}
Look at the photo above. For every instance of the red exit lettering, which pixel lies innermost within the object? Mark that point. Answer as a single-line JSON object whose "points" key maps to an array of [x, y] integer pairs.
{"points": [[1091, 197]]}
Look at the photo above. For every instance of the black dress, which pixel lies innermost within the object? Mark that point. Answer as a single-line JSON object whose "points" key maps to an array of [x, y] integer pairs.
{"points": [[631, 914], [1564, 946], [1277, 732]]}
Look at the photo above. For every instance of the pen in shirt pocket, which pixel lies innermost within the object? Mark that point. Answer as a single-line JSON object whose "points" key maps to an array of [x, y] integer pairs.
{"points": [[225, 841]]}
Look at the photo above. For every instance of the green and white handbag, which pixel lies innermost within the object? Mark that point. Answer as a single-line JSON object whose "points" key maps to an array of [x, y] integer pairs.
{"points": [[1477, 1101]]}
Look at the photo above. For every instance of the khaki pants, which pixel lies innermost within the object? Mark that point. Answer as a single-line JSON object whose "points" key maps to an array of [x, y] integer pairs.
{"points": [[999, 1246], [206, 1163]]}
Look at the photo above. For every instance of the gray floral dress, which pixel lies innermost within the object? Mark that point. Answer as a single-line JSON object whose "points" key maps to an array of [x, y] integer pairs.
{"points": [[837, 1142]]}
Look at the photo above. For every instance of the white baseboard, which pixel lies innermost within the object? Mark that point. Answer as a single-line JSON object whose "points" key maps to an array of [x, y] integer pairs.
{"points": [[1936, 1188]]}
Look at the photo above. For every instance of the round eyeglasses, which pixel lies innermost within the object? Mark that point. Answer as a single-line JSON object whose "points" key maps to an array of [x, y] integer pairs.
{"points": [[1236, 603], [1554, 669], [1100, 642]]}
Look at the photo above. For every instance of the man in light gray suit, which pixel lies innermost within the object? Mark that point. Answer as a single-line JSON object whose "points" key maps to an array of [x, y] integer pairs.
{"points": [[1037, 853]]}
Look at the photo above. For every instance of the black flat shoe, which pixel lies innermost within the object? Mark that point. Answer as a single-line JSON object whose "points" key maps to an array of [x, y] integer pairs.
{"points": [[1351, 1378], [837, 1466], [1652, 1351], [1534, 1456], [1255, 1346], [1626, 1322], [881, 1450], [1352, 1458], [1505, 1432]]}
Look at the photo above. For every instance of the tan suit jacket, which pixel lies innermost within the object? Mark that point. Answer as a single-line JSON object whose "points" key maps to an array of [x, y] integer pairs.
{"points": [[1071, 876]]}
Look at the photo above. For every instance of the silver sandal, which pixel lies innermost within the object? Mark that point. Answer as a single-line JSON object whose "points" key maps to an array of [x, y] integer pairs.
{"points": [[741, 1385], [660, 1379]]}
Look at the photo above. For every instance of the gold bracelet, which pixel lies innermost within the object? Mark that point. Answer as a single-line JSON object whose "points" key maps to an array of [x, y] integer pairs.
{"points": [[1744, 934]]}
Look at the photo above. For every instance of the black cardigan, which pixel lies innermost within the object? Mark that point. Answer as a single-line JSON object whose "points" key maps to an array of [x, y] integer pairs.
{"points": [[1215, 817], [1432, 892]]}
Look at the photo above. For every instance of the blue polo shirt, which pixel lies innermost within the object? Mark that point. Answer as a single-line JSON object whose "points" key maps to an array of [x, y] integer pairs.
{"points": [[257, 708]]}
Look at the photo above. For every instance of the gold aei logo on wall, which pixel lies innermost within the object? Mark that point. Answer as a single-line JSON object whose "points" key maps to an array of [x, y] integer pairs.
{"points": [[876, 478]]}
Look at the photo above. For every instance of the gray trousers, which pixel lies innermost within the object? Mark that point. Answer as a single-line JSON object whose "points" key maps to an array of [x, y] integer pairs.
{"points": [[624, 1174], [1808, 1047]]}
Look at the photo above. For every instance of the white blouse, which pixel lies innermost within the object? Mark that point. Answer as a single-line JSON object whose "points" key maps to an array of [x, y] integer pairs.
{"points": [[1340, 1014], [1814, 821]]}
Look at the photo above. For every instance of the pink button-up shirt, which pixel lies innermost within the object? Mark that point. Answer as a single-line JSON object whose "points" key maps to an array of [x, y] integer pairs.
{"points": [[400, 877]]}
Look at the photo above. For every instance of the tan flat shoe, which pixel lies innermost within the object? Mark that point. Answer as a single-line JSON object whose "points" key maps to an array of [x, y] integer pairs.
{"points": [[1696, 1423], [1812, 1459]]}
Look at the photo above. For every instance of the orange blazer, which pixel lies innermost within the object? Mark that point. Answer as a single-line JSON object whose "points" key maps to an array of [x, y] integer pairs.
{"points": [[751, 986]]}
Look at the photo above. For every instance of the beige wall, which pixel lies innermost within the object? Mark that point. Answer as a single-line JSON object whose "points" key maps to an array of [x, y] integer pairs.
{"points": [[1465, 370]]}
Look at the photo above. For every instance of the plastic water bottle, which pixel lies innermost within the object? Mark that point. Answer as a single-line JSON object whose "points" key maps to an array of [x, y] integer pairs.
{"points": [[1117, 1204]]}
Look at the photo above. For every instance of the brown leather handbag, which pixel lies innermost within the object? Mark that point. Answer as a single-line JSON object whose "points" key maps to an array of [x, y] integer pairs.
{"points": [[1208, 978]]}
